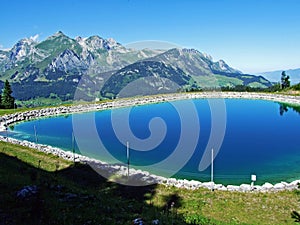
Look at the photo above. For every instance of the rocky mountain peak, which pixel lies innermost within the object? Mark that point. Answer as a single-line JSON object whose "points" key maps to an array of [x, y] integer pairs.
{"points": [[190, 50], [67, 61], [111, 42], [78, 39], [22, 49], [58, 36], [93, 42], [222, 66], [207, 56], [59, 33]]}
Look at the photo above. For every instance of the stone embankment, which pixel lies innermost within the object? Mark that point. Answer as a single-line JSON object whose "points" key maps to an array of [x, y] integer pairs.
{"points": [[147, 178]]}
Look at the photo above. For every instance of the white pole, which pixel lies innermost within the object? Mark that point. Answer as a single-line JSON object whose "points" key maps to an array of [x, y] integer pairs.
{"points": [[212, 165], [212, 169], [127, 153], [253, 179]]}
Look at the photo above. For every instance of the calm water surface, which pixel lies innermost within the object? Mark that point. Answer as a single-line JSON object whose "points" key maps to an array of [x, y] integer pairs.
{"points": [[258, 140]]}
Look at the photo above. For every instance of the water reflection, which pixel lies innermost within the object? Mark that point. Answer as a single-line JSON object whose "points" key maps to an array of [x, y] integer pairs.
{"points": [[284, 107]]}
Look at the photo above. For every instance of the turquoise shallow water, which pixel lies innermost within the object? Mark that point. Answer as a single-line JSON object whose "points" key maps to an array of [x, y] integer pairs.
{"points": [[258, 140]]}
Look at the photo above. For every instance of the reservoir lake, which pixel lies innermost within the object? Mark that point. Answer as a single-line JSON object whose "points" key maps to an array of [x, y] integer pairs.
{"points": [[261, 138]]}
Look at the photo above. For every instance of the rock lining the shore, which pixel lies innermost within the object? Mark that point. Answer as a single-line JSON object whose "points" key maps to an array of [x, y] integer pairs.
{"points": [[8, 120], [148, 178], [121, 170]]}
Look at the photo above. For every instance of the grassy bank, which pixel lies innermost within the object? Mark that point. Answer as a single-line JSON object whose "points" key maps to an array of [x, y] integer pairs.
{"points": [[75, 194]]}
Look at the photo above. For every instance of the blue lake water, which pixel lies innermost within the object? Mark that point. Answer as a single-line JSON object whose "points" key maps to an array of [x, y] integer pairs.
{"points": [[258, 140]]}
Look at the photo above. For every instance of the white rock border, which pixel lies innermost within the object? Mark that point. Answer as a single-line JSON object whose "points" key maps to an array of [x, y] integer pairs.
{"points": [[146, 177]]}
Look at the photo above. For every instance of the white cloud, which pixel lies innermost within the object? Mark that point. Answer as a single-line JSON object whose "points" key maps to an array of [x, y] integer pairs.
{"points": [[3, 48]]}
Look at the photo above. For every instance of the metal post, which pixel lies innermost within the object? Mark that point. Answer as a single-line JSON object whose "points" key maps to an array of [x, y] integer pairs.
{"points": [[212, 169], [212, 165]]}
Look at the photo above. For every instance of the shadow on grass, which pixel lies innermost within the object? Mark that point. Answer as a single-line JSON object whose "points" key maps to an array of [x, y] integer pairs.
{"points": [[77, 195]]}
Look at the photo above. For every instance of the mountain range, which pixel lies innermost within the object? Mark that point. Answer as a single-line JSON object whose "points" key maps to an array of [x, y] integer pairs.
{"points": [[98, 67]]}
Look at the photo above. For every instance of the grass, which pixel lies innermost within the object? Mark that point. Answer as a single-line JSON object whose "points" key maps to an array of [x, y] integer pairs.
{"points": [[24, 109], [17, 110], [244, 208], [37, 159], [11, 111], [217, 81], [75, 194]]}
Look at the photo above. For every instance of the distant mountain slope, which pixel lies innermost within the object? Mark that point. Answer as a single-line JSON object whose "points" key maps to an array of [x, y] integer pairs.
{"points": [[187, 68], [54, 67], [148, 77], [193, 62], [206, 72], [275, 76], [244, 79]]}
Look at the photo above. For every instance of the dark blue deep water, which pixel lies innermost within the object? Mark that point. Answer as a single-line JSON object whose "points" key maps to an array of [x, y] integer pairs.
{"points": [[258, 139]]}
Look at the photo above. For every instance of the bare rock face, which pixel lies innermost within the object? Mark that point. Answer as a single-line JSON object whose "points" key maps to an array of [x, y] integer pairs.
{"points": [[68, 61]]}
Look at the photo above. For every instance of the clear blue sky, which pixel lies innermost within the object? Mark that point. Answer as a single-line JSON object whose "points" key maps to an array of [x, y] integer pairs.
{"points": [[250, 35]]}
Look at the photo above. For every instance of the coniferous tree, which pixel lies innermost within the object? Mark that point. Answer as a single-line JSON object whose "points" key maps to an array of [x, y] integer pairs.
{"points": [[285, 80], [8, 102]]}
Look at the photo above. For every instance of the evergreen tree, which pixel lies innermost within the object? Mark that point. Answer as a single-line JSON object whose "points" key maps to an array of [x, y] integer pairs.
{"points": [[8, 101], [285, 80]]}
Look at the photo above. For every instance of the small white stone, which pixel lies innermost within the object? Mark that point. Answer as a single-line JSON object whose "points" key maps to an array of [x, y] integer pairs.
{"points": [[267, 186], [233, 188], [279, 186], [245, 187]]}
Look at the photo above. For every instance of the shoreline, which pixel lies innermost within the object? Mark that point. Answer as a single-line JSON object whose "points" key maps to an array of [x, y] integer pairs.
{"points": [[7, 120], [148, 178]]}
